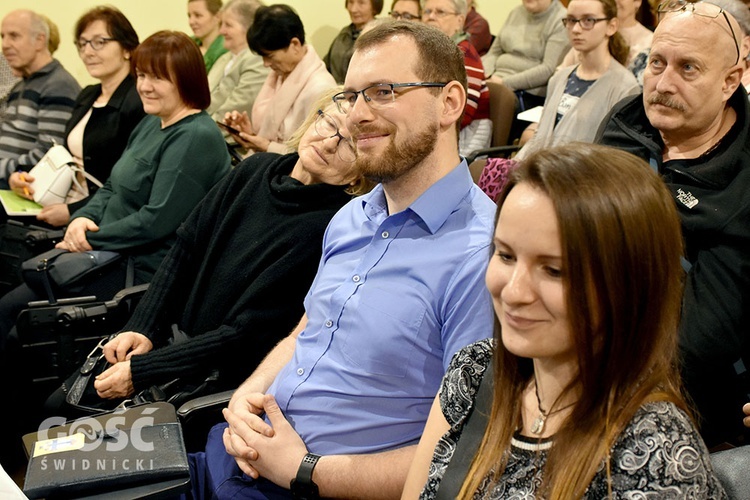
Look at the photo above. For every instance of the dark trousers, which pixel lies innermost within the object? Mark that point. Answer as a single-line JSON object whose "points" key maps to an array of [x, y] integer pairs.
{"points": [[215, 474]]}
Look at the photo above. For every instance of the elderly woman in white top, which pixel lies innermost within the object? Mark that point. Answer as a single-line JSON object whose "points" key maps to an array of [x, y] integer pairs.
{"points": [[237, 76]]}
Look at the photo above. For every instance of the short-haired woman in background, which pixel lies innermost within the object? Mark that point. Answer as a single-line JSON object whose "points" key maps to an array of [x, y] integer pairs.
{"points": [[340, 52], [238, 75], [298, 76]]}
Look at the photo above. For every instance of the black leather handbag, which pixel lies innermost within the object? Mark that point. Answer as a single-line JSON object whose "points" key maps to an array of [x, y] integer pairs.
{"points": [[59, 270], [116, 451]]}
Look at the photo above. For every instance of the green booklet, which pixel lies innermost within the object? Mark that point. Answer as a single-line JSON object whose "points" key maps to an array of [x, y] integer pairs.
{"points": [[15, 205]]}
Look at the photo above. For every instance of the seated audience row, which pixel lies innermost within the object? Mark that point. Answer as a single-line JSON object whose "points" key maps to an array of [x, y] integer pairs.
{"points": [[266, 218], [172, 159]]}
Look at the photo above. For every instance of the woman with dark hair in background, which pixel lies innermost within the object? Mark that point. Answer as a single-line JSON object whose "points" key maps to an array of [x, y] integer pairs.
{"points": [[584, 397], [298, 76], [360, 12], [104, 114], [203, 17]]}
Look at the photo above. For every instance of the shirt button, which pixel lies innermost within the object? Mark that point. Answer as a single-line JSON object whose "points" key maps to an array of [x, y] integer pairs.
{"points": [[300, 371], [385, 234], [329, 323], [356, 278]]}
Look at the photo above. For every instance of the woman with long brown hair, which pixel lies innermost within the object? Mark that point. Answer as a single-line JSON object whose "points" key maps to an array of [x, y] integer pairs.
{"points": [[586, 283]]}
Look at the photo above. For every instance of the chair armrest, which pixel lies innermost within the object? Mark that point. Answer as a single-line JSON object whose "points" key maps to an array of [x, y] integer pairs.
{"points": [[494, 152], [130, 292], [199, 415], [211, 401]]}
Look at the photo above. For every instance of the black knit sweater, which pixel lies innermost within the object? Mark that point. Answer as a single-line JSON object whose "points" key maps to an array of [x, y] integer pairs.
{"points": [[236, 278]]}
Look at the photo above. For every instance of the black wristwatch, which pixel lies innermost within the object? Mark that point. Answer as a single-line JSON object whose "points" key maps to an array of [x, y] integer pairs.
{"points": [[302, 486]]}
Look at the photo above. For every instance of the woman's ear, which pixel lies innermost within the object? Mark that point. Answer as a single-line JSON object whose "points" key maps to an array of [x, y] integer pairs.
{"points": [[612, 26]]}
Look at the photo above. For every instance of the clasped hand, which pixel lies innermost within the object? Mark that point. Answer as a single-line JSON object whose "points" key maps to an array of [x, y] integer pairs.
{"points": [[272, 451], [117, 380]]}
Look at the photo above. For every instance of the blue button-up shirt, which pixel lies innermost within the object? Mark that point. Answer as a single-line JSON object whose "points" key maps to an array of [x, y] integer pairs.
{"points": [[394, 298]]}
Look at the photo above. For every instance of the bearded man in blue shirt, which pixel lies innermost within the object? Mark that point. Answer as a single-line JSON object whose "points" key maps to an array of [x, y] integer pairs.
{"points": [[337, 408]]}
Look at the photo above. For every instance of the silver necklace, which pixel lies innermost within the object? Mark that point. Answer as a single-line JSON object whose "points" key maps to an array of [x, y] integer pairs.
{"points": [[537, 428]]}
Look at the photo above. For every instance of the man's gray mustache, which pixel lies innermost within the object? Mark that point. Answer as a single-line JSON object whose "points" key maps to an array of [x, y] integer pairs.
{"points": [[666, 101]]}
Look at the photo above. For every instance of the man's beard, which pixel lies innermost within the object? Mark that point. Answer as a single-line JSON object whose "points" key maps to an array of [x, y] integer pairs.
{"points": [[398, 159]]}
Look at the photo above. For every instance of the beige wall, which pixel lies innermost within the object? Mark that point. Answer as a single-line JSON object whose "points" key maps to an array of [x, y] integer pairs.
{"points": [[322, 18]]}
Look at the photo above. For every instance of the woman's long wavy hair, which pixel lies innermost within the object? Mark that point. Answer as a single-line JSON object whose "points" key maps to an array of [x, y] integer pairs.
{"points": [[621, 247]]}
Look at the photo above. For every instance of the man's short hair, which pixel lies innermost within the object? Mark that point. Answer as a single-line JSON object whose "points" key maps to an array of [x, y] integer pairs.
{"points": [[38, 26], [440, 59], [459, 6]]}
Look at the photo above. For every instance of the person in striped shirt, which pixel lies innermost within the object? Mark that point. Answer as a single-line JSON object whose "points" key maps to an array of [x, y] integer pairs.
{"points": [[40, 104]]}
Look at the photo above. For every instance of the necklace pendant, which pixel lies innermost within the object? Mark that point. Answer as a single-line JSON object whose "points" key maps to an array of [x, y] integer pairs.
{"points": [[538, 426]]}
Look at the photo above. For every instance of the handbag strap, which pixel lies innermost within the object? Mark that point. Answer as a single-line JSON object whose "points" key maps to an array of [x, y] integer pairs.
{"points": [[87, 175], [471, 438], [75, 392]]}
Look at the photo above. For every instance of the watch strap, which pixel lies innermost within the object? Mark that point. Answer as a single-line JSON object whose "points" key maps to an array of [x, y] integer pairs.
{"points": [[302, 486]]}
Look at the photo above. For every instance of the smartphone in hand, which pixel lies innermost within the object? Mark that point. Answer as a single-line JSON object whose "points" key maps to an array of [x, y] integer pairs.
{"points": [[228, 128]]}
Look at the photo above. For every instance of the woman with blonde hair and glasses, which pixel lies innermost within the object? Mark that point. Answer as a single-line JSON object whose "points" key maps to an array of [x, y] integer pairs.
{"points": [[581, 397]]}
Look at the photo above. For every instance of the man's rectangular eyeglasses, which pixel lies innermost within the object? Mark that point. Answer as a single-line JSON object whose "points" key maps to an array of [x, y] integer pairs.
{"points": [[378, 95], [587, 23], [97, 43], [703, 9], [326, 127], [439, 13]]}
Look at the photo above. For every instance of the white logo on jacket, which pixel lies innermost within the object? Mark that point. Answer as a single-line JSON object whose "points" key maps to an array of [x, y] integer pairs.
{"points": [[686, 199]]}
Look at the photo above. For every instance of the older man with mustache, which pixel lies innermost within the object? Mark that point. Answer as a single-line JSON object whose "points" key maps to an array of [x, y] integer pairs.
{"points": [[691, 123]]}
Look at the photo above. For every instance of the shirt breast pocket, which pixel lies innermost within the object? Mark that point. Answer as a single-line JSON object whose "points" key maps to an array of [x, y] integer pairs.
{"points": [[388, 344], [132, 179]]}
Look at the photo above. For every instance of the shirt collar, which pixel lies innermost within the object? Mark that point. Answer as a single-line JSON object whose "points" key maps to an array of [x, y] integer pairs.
{"points": [[434, 205]]}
